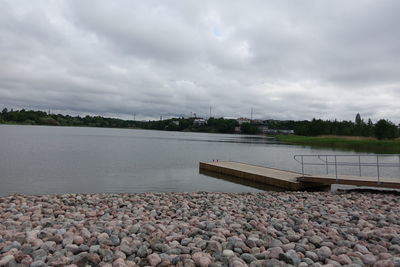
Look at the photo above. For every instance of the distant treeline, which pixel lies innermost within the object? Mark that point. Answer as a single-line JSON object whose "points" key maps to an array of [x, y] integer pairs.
{"points": [[31, 117], [383, 129]]}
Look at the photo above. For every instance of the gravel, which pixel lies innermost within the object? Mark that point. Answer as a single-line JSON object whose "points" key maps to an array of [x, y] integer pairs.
{"points": [[201, 229]]}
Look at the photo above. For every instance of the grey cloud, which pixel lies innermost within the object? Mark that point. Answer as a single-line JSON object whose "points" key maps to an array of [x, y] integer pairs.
{"points": [[285, 60]]}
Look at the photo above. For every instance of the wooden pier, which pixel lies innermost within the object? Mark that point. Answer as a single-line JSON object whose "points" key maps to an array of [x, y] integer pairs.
{"points": [[291, 180], [275, 177], [383, 182]]}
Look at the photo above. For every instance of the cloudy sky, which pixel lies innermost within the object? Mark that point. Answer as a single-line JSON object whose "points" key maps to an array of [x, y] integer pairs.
{"points": [[284, 59]]}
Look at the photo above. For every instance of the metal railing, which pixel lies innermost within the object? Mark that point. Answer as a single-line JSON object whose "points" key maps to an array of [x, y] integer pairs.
{"points": [[360, 161]]}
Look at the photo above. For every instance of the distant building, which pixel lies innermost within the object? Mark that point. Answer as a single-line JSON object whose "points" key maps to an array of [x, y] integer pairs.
{"points": [[279, 131], [263, 128], [243, 120], [176, 123], [259, 122], [199, 121]]}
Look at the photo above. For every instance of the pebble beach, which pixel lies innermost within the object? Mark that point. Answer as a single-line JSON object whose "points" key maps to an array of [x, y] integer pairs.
{"points": [[201, 229]]}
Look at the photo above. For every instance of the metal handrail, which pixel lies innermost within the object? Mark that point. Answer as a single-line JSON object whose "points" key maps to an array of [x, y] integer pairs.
{"points": [[332, 160]]}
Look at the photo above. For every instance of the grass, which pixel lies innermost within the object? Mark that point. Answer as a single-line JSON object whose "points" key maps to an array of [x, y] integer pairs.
{"points": [[354, 143]]}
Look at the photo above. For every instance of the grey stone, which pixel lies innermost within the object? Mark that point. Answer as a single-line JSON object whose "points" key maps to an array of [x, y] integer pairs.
{"points": [[27, 249], [395, 240], [39, 255], [308, 261], [186, 241], [174, 251], [81, 259], [312, 255], [228, 253], [142, 251], [316, 240], [214, 247], [38, 264], [106, 254], [94, 249], [259, 256], [134, 228], [277, 226], [258, 263], [361, 248], [14, 244], [274, 243], [290, 257], [274, 263], [395, 249], [324, 252], [83, 248], [247, 257]]}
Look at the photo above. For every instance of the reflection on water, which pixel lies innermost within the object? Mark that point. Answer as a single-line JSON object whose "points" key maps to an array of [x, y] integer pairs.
{"points": [[237, 180], [257, 185], [48, 160], [219, 138], [358, 148]]}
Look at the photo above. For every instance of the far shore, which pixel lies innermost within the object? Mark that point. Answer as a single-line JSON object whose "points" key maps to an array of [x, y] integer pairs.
{"points": [[354, 143]]}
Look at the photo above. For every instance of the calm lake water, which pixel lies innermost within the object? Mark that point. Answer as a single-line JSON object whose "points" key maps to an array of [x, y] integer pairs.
{"points": [[48, 160]]}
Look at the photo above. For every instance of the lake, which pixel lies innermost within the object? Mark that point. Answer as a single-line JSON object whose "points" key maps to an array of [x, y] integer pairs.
{"points": [[49, 160]]}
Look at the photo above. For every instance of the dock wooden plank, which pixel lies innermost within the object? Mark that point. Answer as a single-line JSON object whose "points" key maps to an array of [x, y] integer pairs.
{"points": [[353, 180], [264, 175], [292, 180]]}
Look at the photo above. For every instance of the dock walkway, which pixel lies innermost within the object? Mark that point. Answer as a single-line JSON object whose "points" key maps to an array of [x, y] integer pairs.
{"points": [[264, 175], [291, 180], [353, 180]]}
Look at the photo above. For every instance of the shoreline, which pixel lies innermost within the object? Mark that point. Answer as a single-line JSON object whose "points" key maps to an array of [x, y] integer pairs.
{"points": [[201, 229], [350, 143]]}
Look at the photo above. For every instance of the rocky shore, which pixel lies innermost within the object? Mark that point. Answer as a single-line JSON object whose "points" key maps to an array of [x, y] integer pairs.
{"points": [[201, 229]]}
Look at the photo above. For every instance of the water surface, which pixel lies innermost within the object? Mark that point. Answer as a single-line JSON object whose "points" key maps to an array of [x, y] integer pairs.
{"points": [[49, 160]]}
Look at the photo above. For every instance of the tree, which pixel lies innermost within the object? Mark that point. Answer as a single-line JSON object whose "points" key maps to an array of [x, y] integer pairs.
{"points": [[358, 119], [247, 128], [385, 130], [370, 128], [359, 126]]}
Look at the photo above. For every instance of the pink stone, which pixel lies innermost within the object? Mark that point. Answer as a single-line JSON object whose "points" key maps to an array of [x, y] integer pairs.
{"points": [[130, 264], [273, 253], [236, 262], [27, 260], [85, 233], [368, 259], [385, 256], [384, 263], [154, 259], [361, 248], [78, 240], [6, 259], [94, 258], [91, 213], [202, 259], [119, 263]]}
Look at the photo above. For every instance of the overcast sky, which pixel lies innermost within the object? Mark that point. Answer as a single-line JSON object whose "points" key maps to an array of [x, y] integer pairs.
{"points": [[284, 59]]}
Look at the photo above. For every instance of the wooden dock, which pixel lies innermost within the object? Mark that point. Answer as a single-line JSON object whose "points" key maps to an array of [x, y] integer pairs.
{"points": [[392, 183], [291, 180], [275, 177]]}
